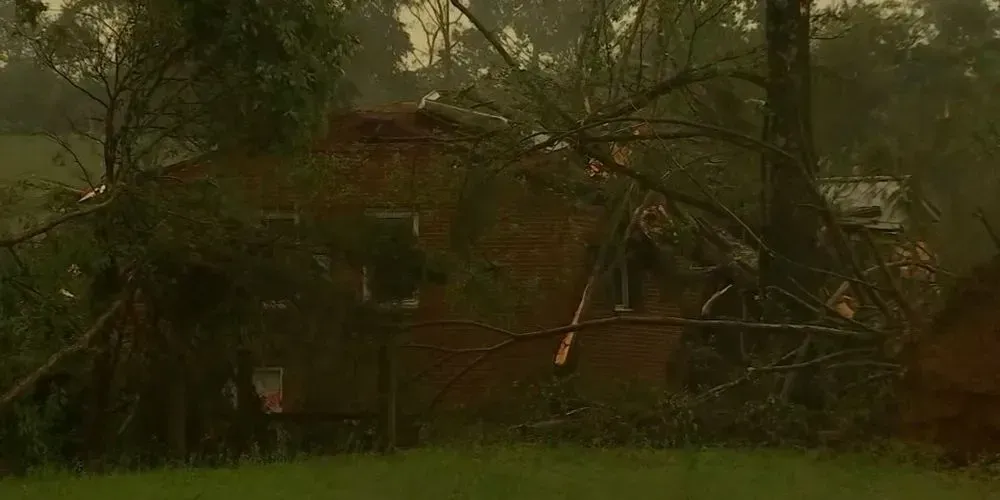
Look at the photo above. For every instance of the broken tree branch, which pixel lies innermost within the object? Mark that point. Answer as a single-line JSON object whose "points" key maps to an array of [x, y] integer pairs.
{"points": [[981, 215], [53, 223], [746, 377], [581, 142], [798, 365], [897, 290], [681, 80], [800, 356], [26, 383], [632, 320], [513, 337], [562, 353]]}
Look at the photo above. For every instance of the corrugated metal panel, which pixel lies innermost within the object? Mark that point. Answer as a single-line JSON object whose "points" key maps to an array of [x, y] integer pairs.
{"points": [[888, 194]]}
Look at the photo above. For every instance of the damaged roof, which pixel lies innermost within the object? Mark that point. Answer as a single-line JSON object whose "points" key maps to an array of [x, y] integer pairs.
{"points": [[893, 201]]}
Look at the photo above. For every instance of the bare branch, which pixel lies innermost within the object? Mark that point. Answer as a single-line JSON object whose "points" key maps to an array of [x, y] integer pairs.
{"points": [[812, 362], [683, 79], [699, 23], [76, 158], [51, 63], [896, 289], [704, 130], [619, 215], [632, 320], [644, 99], [762, 246], [513, 337], [981, 215], [489, 35], [626, 51], [721, 388], [53, 223]]}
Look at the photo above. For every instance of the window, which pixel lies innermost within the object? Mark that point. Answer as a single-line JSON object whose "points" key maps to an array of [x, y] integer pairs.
{"points": [[625, 276], [284, 227], [621, 287], [269, 383], [285, 224], [392, 229]]}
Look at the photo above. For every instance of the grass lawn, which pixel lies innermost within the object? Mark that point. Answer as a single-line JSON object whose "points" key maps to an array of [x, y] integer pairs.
{"points": [[527, 474], [27, 156], [36, 157]]}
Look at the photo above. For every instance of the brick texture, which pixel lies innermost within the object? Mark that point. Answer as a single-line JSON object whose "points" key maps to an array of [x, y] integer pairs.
{"points": [[386, 159]]}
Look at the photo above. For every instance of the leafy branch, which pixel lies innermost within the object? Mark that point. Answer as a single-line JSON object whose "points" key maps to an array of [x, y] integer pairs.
{"points": [[82, 343], [55, 222]]}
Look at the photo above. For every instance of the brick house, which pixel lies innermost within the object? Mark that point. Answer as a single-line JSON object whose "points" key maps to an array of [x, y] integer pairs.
{"points": [[398, 163]]}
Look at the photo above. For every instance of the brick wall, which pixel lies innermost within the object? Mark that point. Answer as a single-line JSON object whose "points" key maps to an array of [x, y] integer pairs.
{"points": [[538, 240]]}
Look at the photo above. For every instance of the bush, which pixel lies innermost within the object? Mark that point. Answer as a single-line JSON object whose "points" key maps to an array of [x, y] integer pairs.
{"points": [[30, 435], [569, 412]]}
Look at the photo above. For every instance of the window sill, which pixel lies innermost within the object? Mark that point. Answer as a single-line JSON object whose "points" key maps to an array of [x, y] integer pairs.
{"points": [[623, 309], [275, 305], [406, 305]]}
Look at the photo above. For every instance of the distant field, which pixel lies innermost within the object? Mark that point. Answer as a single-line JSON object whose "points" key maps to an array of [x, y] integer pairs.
{"points": [[36, 157], [27, 156], [528, 474]]}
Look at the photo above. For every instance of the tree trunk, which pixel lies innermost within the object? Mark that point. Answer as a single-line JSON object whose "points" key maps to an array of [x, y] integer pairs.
{"points": [[102, 376], [791, 224], [791, 220], [447, 62], [248, 411], [177, 413], [388, 392]]}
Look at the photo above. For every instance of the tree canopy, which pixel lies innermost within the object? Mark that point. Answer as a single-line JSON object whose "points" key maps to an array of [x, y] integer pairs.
{"points": [[699, 132]]}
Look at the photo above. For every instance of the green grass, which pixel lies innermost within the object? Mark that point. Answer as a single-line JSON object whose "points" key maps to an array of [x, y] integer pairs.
{"points": [[528, 474], [38, 158]]}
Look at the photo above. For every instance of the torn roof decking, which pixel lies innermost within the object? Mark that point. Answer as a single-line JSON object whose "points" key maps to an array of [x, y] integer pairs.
{"points": [[894, 200]]}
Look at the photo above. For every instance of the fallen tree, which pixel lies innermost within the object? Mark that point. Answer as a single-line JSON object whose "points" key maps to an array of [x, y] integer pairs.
{"points": [[859, 297]]}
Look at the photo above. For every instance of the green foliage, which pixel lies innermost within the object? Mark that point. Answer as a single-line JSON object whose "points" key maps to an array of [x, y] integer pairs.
{"points": [[236, 74], [44, 305], [607, 414], [375, 70], [170, 76], [279, 64], [43, 297], [25, 11], [242, 74], [900, 91], [33, 432]]}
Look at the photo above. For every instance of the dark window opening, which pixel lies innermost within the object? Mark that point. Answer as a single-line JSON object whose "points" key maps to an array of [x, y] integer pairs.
{"points": [[393, 282], [621, 278], [626, 286], [282, 232]]}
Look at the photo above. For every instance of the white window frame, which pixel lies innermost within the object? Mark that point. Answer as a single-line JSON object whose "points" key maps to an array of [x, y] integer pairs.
{"points": [[281, 384], [270, 215], [366, 294], [623, 303]]}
